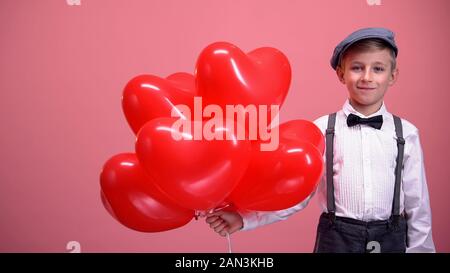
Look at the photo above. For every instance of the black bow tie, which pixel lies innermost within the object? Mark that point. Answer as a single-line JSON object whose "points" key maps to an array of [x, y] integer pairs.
{"points": [[374, 122]]}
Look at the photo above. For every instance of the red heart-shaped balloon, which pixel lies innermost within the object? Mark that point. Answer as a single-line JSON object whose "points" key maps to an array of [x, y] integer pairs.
{"points": [[281, 178], [225, 75], [183, 81], [146, 97], [299, 129], [197, 174], [134, 200]]}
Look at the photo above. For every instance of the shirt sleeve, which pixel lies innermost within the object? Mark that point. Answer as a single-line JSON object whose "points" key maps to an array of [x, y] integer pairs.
{"points": [[254, 219], [417, 202]]}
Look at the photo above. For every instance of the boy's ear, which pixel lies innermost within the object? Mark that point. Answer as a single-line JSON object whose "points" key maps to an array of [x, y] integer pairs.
{"points": [[394, 76], [340, 74]]}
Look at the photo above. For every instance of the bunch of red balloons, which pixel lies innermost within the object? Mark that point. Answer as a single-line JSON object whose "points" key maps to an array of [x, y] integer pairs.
{"points": [[167, 180]]}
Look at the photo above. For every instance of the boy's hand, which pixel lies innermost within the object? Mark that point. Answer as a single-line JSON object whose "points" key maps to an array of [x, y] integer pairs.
{"points": [[225, 221]]}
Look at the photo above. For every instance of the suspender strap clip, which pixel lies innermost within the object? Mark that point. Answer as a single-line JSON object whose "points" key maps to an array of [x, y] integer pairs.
{"points": [[395, 222], [332, 217], [400, 140]]}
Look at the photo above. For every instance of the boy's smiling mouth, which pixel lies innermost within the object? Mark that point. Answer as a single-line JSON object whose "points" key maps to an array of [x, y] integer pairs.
{"points": [[366, 88]]}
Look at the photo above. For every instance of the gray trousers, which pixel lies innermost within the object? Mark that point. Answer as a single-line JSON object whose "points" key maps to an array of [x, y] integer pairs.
{"points": [[346, 235]]}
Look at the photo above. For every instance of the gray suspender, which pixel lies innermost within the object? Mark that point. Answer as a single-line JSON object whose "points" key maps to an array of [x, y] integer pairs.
{"points": [[398, 168], [329, 137]]}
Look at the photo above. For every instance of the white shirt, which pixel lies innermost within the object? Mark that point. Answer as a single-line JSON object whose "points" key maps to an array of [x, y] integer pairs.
{"points": [[364, 178]]}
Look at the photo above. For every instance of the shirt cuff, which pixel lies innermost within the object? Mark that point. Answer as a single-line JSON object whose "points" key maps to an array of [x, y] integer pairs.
{"points": [[249, 219]]}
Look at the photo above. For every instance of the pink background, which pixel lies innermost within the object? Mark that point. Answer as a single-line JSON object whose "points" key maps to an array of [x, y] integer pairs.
{"points": [[62, 70]]}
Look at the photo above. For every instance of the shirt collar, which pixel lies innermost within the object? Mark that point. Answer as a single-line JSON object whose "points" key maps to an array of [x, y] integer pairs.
{"points": [[348, 109]]}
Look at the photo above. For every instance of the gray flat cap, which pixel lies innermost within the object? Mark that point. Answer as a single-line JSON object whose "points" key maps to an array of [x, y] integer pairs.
{"points": [[361, 34]]}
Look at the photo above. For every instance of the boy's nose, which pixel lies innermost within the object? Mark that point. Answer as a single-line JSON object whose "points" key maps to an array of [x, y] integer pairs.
{"points": [[367, 76]]}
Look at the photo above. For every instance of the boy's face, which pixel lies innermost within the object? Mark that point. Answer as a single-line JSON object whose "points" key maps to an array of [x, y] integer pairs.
{"points": [[367, 75]]}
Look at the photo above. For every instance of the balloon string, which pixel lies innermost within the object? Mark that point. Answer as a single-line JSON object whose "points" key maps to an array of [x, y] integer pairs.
{"points": [[221, 208], [229, 242], [228, 234]]}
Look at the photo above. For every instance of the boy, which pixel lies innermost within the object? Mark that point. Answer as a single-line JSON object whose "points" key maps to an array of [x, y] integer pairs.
{"points": [[374, 191]]}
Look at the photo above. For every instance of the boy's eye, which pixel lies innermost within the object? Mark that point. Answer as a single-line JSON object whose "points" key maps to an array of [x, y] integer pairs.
{"points": [[379, 69], [356, 68]]}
